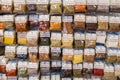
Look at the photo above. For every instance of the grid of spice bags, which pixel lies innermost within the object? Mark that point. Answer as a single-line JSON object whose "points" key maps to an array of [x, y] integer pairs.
{"points": [[59, 39]]}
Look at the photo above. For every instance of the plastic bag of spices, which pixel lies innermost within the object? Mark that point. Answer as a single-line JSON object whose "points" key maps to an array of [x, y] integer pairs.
{"points": [[3, 62], [100, 52], [42, 6], [103, 6], [22, 68], [111, 55], [87, 69], [21, 52], [55, 76], [55, 23], [31, 6], [55, 7], [67, 24], [2, 50], [78, 56], [46, 76], [118, 56], [19, 6], [79, 21], [55, 53], [119, 40], [56, 39], [1, 36], [8, 22], [112, 40], [23, 78], [1, 22], [44, 53], [22, 38], [21, 23], [10, 51], [56, 66], [101, 37], [67, 41], [90, 40], [32, 38], [3, 76], [12, 77], [77, 70], [44, 67], [9, 37], [6, 6], [34, 22], [115, 6], [67, 54], [117, 69], [79, 40], [66, 71], [80, 6], [44, 38], [33, 68], [44, 23], [68, 6], [34, 77], [102, 22], [11, 68], [89, 54], [66, 78], [92, 5], [114, 23], [109, 78], [33, 54], [91, 23]]}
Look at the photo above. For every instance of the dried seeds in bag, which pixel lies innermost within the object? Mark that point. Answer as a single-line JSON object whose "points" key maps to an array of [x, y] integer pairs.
{"points": [[8, 22], [1, 36], [44, 23], [44, 67], [91, 23], [44, 38], [55, 23], [44, 53], [31, 6], [32, 38], [67, 24], [22, 38], [77, 70], [42, 6], [89, 54], [67, 41], [55, 7], [56, 66], [114, 24], [102, 22], [33, 68], [34, 22], [56, 39], [6, 6], [79, 40], [67, 54], [68, 6], [90, 40], [1, 22], [21, 23], [3, 62], [55, 53], [80, 6], [19, 6], [22, 68], [10, 51], [115, 6], [79, 21], [9, 37], [91, 5], [33, 54]]}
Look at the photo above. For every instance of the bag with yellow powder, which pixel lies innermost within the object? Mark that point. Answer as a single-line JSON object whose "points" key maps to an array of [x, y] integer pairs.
{"points": [[22, 38]]}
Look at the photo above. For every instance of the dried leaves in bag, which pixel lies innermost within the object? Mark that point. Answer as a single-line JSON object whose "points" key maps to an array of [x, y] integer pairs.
{"points": [[77, 70]]}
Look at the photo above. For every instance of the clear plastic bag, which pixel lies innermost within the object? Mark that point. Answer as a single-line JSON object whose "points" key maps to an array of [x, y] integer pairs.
{"points": [[1, 36], [115, 6], [91, 5], [22, 38], [55, 53]]}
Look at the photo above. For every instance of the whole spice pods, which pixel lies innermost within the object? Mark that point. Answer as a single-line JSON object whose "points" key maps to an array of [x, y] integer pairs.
{"points": [[80, 6], [42, 6], [79, 21], [22, 38], [67, 25], [44, 67], [55, 7], [6, 6], [19, 6], [114, 6], [31, 6], [77, 70], [114, 24], [56, 66], [55, 53], [68, 7], [33, 54], [21, 23], [1, 36], [44, 22], [44, 53], [91, 5]]}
